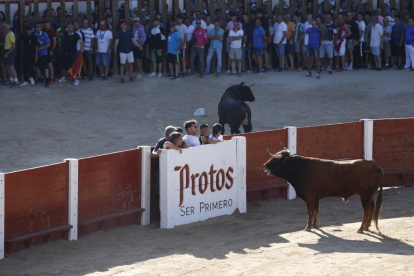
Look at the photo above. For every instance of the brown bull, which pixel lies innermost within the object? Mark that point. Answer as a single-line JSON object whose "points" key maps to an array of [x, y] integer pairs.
{"points": [[314, 178]]}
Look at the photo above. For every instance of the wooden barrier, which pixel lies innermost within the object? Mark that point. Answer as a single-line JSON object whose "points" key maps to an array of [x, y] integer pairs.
{"points": [[259, 185], [109, 191], [36, 206], [393, 149], [340, 141]]}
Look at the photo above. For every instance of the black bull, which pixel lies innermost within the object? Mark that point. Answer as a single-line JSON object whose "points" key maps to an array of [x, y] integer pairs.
{"points": [[233, 110], [314, 178]]}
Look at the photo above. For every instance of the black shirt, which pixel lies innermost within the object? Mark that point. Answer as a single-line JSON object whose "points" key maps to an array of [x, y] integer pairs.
{"points": [[248, 31], [160, 144], [70, 41], [29, 45], [125, 43], [354, 27]]}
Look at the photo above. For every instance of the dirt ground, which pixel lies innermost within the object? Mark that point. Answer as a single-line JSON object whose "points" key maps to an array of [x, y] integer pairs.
{"points": [[41, 126], [267, 240]]}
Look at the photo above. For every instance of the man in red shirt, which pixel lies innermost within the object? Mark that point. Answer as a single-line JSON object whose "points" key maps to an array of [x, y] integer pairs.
{"points": [[51, 58], [199, 38]]}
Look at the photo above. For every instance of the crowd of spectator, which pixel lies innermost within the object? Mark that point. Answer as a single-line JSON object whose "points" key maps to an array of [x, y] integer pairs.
{"points": [[195, 42], [175, 139]]}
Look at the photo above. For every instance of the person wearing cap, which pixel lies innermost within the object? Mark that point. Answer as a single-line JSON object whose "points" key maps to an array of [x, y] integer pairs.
{"points": [[377, 38], [173, 43], [138, 32], [123, 40], [10, 54], [43, 43]]}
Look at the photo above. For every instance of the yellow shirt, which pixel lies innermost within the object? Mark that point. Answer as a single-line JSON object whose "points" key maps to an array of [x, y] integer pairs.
{"points": [[10, 38]]}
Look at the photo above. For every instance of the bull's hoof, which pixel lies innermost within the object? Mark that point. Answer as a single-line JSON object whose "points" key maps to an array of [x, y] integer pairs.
{"points": [[366, 229], [360, 231], [308, 229], [315, 226]]}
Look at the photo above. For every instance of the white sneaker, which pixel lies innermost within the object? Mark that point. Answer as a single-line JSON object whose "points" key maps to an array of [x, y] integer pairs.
{"points": [[228, 72], [139, 76], [349, 68], [62, 79], [32, 82], [76, 82], [23, 83], [159, 75], [153, 74]]}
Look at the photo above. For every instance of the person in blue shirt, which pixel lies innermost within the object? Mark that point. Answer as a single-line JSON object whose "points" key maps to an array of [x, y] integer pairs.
{"points": [[216, 47], [314, 35], [259, 38], [173, 47], [43, 43], [409, 46], [397, 41]]}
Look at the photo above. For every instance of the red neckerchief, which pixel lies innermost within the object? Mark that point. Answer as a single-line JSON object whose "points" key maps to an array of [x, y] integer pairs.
{"points": [[175, 30], [236, 30], [340, 28]]}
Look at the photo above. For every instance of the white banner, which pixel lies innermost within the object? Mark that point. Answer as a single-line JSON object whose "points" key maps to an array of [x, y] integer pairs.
{"points": [[202, 182]]}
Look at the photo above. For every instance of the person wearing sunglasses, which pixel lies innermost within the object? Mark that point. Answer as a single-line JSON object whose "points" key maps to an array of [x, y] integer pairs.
{"points": [[103, 49], [191, 137], [236, 54], [199, 41]]}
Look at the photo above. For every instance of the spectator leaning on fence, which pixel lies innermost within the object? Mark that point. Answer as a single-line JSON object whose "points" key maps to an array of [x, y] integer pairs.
{"points": [[103, 49], [160, 144], [191, 137]]}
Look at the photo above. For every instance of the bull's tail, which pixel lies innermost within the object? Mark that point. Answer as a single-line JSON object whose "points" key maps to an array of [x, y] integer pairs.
{"points": [[378, 205]]}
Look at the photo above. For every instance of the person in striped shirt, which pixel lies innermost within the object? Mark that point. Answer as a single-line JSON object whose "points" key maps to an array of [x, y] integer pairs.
{"points": [[88, 46]]}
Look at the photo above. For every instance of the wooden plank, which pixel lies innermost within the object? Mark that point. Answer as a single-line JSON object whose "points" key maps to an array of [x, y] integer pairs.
{"points": [[246, 6], [114, 31], [259, 4], [89, 13], [211, 6], [75, 10], [152, 11], [370, 5], [164, 13], [223, 19], [109, 184], [402, 8], [37, 199], [304, 5], [139, 6], [101, 9], [49, 10], [349, 5], [292, 6], [412, 8], [359, 6], [176, 8], [7, 12], [188, 9], [127, 17], [62, 17], [36, 10], [22, 11], [315, 8], [338, 5]]}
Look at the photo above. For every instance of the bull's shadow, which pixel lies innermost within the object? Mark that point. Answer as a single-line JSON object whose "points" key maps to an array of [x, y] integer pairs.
{"points": [[329, 243]]}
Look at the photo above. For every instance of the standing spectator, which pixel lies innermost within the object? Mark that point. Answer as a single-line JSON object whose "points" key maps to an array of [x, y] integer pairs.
{"points": [[290, 38], [280, 42], [70, 54], [174, 40], [216, 45], [351, 40], [29, 55], [248, 40], [397, 41], [198, 16], [387, 41], [259, 39], [339, 48], [88, 47], [3, 75], [157, 41], [306, 25], [409, 46], [359, 51], [260, 14], [43, 43], [314, 34], [328, 37], [297, 39], [379, 16], [189, 42], [229, 28], [391, 17], [10, 54], [52, 51], [138, 32], [81, 35], [236, 54], [191, 137], [376, 42], [103, 49], [199, 38], [123, 40], [367, 39], [183, 31]]}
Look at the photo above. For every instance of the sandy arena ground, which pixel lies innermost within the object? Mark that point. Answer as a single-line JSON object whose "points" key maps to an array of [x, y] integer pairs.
{"points": [[40, 126]]}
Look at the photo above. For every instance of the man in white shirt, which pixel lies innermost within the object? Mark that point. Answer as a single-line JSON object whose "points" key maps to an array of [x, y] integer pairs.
{"points": [[203, 23], [189, 45], [103, 49], [306, 25], [280, 42], [236, 53], [376, 41], [191, 137], [361, 43], [183, 31]]}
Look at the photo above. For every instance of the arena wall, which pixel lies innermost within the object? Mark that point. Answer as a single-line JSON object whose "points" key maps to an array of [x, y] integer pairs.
{"points": [[80, 196]]}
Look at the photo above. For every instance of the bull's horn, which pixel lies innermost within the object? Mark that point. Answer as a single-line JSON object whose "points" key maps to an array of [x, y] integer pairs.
{"points": [[249, 85], [283, 147], [276, 156]]}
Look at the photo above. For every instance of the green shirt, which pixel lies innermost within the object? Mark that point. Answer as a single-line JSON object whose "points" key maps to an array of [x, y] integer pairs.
{"points": [[298, 30]]}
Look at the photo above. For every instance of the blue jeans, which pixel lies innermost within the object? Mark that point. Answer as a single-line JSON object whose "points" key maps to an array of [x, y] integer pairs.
{"points": [[211, 52]]}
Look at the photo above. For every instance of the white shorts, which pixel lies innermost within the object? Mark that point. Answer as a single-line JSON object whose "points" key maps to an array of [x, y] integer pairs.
{"points": [[341, 50], [123, 57]]}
